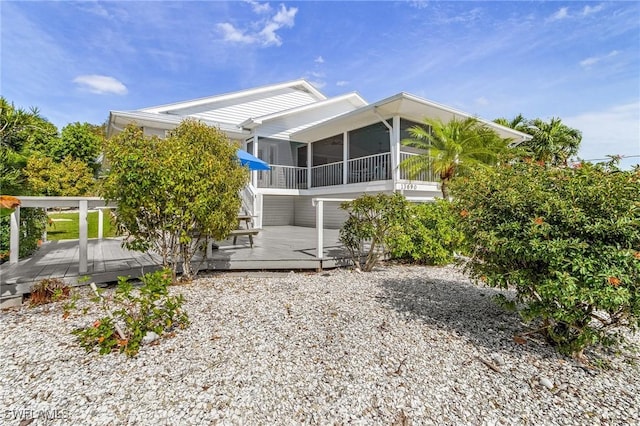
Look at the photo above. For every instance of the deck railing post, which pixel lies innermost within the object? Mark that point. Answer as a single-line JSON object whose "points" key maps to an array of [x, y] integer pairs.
{"points": [[14, 236], [100, 223], [319, 228], [84, 236]]}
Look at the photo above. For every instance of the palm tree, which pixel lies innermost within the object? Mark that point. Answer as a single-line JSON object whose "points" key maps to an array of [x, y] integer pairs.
{"points": [[552, 142], [516, 123], [452, 148]]}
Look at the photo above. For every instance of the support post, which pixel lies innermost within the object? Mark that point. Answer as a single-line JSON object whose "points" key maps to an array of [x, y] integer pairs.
{"points": [[84, 237], [345, 158], [319, 228], [100, 223], [14, 236], [309, 164]]}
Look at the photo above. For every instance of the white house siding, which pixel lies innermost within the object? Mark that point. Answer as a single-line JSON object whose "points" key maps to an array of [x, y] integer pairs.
{"points": [[150, 131], [305, 214], [278, 210]]}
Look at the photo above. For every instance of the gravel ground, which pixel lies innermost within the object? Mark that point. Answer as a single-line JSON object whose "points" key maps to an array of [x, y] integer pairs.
{"points": [[401, 345]]}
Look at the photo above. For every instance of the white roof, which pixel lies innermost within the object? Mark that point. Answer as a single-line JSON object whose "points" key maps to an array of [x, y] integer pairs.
{"points": [[292, 110], [404, 104], [229, 110]]}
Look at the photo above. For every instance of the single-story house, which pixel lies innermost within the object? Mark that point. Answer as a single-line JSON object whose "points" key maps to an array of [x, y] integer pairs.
{"points": [[339, 147]]}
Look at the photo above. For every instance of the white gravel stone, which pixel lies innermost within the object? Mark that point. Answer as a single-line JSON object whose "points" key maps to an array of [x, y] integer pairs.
{"points": [[399, 345]]}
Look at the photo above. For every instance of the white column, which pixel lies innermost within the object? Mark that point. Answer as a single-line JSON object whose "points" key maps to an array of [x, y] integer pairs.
{"points": [[309, 164], [319, 228], [100, 223], [84, 237], [345, 158], [14, 236]]}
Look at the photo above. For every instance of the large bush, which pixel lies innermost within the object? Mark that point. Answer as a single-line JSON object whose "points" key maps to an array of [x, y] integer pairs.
{"points": [[32, 225], [566, 239], [429, 234], [173, 192], [373, 222]]}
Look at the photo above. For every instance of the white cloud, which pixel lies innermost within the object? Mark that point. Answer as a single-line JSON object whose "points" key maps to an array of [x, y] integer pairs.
{"points": [[342, 83], [482, 101], [318, 84], [101, 84], [259, 7], [319, 60], [419, 4], [231, 33], [561, 13], [612, 131], [587, 63], [267, 36], [588, 10]]}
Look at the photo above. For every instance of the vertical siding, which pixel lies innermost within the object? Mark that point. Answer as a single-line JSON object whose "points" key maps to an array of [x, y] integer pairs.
{"points": [[278, 210], [305, 214]]}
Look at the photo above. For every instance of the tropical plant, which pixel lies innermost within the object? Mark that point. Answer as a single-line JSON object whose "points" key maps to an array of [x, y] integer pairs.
{"points": [[373, 222], [452, 148], [552, 142], [132, 313], [173, 193], [566, 239], [48, 290]]}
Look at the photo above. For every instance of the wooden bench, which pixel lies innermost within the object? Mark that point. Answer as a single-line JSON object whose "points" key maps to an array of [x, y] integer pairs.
{"points": [[245, 232]]}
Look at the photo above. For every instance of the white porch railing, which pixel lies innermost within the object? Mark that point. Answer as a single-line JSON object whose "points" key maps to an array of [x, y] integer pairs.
{"points": [[83, 204], [283, 177], [424, 176], [326, 174], [370, 168]]}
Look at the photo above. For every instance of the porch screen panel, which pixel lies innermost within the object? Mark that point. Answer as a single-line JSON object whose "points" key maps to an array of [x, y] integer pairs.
{"points": [[370, 140], [327, 150]]}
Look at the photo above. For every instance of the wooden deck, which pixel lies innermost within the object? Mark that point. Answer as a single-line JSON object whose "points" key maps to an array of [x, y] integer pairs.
{"points": [[275, 248]]}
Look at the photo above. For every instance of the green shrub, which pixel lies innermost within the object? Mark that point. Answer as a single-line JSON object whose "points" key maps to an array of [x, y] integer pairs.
{"points": [[429, 234], [373, 222], [134, 312], [566, 239], [32, 225]]}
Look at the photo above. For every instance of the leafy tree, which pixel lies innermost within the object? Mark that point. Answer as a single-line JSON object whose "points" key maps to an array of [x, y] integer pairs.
{"points": [[552, 142], [69, 177], [172, 193], [566, 239], [373, 222], [452, 148], [81, 141], [20, 131]]}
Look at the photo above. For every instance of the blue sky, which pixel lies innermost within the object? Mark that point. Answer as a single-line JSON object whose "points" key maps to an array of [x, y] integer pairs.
{"points": [[579, 61]]}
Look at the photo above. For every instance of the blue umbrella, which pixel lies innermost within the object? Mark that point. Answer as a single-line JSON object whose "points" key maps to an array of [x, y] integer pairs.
{"points": [[252, 162]]}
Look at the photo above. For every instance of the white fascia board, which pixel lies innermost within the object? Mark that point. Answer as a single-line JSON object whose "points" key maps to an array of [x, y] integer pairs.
{"points": [[355, 99], [234, 95], [455, 112], [167, 121]]}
